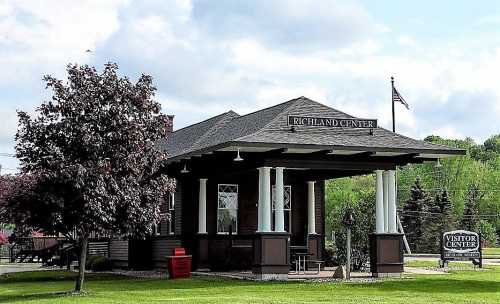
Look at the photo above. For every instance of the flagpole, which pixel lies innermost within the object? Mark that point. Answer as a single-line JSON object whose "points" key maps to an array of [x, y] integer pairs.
{"points": [[393, 116], [394, 131]]}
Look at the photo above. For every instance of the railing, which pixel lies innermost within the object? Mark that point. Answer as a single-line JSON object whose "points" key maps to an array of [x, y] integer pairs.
{"points": [[52, 250], [4, 252], [99, 247]]}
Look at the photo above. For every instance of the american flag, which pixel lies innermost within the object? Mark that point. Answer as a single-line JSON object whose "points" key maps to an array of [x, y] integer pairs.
{"points": [[397, 97]]}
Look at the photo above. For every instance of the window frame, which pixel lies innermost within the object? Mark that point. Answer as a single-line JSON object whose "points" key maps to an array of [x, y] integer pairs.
{"points": [[273, 200], [157, 228], [171, 211], [218, 208]]}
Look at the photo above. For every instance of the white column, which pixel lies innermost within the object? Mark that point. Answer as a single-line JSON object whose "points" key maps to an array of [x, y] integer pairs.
{"points": [[392, 202], [311, 223], [379, 203], [265, 199], [385, 179], [259, 202], [279, 214], [202, 207]]}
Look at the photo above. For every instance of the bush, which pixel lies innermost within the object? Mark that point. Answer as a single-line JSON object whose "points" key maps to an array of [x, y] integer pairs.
{"points": [[98, 263], [329, 255], [90, 261]]}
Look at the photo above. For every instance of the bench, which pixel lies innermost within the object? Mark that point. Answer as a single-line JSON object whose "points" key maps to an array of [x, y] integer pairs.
{"points": [[318, 264]]}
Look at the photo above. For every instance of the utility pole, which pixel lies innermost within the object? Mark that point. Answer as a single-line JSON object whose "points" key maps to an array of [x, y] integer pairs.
{"points": [[348, 267]]}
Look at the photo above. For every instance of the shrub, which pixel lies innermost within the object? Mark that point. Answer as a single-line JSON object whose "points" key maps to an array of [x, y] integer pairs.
{"points": [[98, 263]]}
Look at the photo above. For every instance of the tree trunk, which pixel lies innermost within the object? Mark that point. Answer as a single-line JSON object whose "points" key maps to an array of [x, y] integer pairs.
{"points": [[84, 241]]}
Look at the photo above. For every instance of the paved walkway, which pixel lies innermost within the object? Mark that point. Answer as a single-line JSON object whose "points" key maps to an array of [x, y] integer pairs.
{"points": [[19, 267], [436, 259], [415, 270], [324, 275]]}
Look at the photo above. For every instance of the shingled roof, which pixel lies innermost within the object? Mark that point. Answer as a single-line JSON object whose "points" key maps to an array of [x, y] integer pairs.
{"points": [[269, 127]]}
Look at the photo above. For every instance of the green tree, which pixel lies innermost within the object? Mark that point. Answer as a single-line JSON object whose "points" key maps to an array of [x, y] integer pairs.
{"points": [[433, 225], [413, 215], [342, 192], [488, 233], [470, 218], [446, 218], [493, 144], [364, 224]]}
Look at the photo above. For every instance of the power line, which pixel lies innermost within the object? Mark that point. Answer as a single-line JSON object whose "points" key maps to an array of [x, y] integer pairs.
{"points": [[455, 190], [7, 154], [439, 213]]}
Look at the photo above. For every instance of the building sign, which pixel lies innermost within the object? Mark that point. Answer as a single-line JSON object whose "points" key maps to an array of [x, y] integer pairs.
{"points": [[460, 245], [331, 122]]}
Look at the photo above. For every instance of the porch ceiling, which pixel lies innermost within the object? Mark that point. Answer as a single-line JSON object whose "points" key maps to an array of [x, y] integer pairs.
{"points": [[315, 163]]}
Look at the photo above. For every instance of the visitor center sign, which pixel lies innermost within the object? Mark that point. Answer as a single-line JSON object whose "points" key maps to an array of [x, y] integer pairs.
{"points": [[461, 245]]}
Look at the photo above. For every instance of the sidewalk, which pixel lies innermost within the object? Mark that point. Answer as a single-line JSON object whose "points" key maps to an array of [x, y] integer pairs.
{"points": [[436, 257], [19, 267]]}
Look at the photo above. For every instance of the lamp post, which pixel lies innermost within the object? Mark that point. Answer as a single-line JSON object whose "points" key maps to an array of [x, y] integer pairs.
{"points": [[348, 222]]}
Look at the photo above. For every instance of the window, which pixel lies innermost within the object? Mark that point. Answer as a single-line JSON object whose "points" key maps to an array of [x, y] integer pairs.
{"points": [[227, 208], [171, 211], [166, 223], [157, 228], [287, 206]]}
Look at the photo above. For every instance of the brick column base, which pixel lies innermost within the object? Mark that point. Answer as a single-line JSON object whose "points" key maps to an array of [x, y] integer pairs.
{"points": [[386, 254], [202, 253], [271, 260]]}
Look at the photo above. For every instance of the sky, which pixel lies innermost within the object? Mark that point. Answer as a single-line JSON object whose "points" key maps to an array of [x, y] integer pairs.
{"points": [[208, 57]]}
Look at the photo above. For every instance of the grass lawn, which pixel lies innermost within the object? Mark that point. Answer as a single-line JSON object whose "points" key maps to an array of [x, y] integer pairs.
{"points": [[50, 286]]}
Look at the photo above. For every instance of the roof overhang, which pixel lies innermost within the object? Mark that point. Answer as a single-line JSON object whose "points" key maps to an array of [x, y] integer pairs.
{"points": [[286, 148]]}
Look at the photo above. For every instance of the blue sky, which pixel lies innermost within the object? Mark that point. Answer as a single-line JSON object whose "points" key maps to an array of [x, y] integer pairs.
{"points": [[211, 56]]}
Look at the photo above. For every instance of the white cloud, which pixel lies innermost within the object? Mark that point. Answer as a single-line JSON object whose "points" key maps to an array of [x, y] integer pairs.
{"points": [[407, 41], [489, 20], [447, 132], [44, 36], [268, 96], [292, 25]]}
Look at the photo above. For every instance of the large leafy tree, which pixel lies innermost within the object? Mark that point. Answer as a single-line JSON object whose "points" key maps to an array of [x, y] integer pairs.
{"points": [[93, 149], [356, 195]]}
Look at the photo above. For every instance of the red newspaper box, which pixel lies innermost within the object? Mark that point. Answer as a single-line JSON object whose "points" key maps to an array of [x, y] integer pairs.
{"points": [[179, 264]]}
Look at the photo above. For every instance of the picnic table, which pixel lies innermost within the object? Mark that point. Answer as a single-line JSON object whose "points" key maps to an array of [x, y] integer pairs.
{"points": [[300, 261]]}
